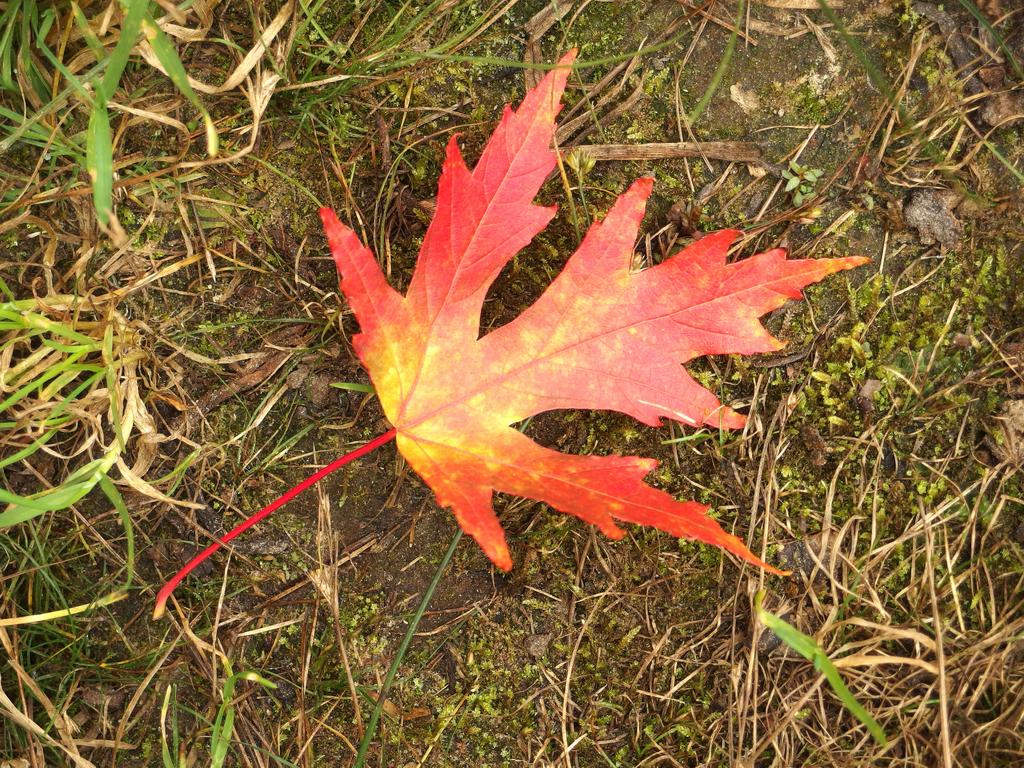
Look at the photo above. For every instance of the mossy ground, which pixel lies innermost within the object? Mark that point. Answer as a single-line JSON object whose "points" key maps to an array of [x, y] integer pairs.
{"points": [[870, 437]]}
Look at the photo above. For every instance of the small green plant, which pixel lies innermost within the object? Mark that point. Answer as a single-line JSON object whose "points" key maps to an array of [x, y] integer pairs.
{"points": [[800, 181], [172, 748], [221, 730], [224, 722]]}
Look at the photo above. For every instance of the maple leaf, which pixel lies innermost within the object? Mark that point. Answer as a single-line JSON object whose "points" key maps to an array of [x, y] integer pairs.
{"points": [[602, 336]]}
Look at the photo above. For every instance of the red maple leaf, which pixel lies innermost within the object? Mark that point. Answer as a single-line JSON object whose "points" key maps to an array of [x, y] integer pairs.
{"points": [[602, 336]]}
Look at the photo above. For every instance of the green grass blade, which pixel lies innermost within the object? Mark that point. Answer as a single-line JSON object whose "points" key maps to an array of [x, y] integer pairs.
{"points": [[824, 665], [8, 23], [67, 349], [1004, 160], [27, 128], [1015, 65], [40, 381], [130, 28], [352, 386], [224, 722], [382, 695], [810, 650], [720, 70], [35, 321], [87, 34], [45, 24], [168, 58], [29, 449], [73, 488], [114, 496], [17, 507], [21, 509], [99, 161], [29, 70], [787, 633], [76, 84]]}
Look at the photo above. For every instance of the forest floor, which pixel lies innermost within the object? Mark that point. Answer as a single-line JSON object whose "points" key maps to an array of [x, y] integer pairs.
{"points": [[880, 462]]}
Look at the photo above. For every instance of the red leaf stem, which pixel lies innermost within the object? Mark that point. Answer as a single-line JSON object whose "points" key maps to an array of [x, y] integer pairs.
{"points": [[168, 588]]}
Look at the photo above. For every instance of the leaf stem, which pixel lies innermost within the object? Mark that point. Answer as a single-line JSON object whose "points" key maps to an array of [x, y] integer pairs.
{"points": [[371, 726], [168, 588]]}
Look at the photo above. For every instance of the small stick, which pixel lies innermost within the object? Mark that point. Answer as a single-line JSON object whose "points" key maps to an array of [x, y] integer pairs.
{"points": [[732, 151]]}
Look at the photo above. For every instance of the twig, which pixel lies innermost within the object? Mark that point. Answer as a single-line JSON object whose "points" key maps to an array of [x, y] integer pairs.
{"points": [[732, 151]]}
